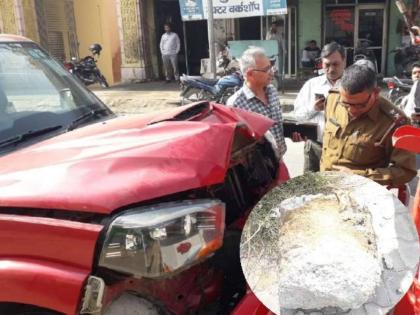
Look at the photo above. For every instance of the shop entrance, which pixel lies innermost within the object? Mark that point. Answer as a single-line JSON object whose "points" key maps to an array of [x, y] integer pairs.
{"points": [[195, 31], [370, 27], [355, 26]]}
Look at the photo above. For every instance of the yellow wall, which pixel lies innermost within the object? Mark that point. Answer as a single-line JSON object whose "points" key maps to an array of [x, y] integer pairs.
{"points": [[96, 22], [29, 17], [8, 17]]}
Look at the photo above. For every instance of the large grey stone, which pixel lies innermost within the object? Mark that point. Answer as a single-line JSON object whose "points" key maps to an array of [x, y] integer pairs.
{"points": [[371, 233], [328, 255]]}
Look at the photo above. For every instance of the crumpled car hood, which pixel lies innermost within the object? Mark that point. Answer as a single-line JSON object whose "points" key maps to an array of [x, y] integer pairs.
{"points": [[122, 161]]}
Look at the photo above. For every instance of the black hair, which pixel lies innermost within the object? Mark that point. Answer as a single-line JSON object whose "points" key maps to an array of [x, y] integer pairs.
{"points": [[312, 42], [415, 65], [357, 79], [332, 47], [168, 24], [277, 22]]}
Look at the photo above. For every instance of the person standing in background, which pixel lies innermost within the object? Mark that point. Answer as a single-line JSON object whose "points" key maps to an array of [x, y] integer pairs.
{"points": [[310, 54], [276, 33], [169, 48], [412, 100]]}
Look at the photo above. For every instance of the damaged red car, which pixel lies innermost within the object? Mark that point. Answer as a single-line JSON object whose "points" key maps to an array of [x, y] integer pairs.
{"points": [[120, 215]]}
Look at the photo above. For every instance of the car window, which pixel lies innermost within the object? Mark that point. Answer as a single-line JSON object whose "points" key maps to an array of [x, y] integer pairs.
{"points": [[31, 81], [38, 94]]}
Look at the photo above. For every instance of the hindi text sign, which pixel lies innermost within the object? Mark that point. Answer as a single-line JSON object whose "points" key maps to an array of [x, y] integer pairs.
{"points": [[191, 10]]}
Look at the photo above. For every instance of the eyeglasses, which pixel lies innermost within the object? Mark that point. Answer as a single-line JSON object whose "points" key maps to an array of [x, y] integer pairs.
{"points": [[357, 105], [329, 65], [265, 70]]}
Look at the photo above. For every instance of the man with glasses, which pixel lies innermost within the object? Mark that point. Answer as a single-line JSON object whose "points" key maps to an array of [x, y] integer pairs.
{"points": [[358, 128], [257, 94], [309, 103]]}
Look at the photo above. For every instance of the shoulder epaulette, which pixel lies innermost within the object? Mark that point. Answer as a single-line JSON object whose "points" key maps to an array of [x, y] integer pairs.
{"points": [[393, 112]]}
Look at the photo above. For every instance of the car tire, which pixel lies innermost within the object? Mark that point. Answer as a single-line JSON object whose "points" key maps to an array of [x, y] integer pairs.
{"points": [[129, 304], [21, 309]]}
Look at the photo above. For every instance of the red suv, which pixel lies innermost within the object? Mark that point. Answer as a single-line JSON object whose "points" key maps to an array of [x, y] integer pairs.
{"points": [[131, 215]]}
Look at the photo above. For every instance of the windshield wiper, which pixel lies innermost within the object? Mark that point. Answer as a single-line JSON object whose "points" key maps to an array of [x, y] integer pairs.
{"points": [[27, 135], [79, 120]]}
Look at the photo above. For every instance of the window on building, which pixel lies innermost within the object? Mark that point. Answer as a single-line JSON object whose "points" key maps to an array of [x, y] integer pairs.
{"points": [[338, 2], [339, 25], [341, 2], [371, 1]]}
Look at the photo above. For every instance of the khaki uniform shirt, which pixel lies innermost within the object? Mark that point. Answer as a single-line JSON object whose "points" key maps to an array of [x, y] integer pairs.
{"points": [[352, 143]]}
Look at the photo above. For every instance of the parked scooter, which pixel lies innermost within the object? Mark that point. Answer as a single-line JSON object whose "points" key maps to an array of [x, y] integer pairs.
{"points": [[86, 69], [197, 88]]}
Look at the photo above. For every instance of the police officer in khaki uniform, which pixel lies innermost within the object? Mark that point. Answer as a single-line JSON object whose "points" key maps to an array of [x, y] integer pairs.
{"points": [[358, 131]]}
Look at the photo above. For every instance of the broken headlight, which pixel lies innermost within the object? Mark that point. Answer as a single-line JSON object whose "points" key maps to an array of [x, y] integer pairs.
{"points": [[158, 240]]}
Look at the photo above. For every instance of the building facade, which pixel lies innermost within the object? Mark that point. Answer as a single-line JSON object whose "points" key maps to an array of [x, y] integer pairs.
{"points": [[130, 30], [66, 28], [348, 22]]}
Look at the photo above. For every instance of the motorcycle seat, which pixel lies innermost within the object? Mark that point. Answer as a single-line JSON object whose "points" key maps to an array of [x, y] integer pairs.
{"points": [[208, 81]]}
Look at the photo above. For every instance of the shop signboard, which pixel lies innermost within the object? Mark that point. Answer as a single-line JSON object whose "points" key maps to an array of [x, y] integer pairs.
{"points": [[191, 10], [275, 7], [229, 9]]}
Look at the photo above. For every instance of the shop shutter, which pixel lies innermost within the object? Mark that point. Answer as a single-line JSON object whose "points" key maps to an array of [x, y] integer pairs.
{"points": [[56, 28]]}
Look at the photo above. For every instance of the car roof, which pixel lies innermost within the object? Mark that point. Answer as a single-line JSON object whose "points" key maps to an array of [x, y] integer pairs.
{"points": [[13, 38]]}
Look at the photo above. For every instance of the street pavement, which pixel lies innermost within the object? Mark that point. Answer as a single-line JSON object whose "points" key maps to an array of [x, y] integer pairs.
{"points": [[138, 98]]}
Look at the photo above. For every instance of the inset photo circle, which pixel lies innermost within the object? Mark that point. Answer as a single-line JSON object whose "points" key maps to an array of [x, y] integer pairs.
{"points": [[329, 243]]}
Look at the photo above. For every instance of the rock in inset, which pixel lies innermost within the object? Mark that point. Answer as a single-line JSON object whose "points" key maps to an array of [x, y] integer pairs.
{"points": [[328, 256]]}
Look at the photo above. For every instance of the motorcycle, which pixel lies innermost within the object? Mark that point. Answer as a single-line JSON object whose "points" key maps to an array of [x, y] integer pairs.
{"points": [[197, 88], [86, 69], [317, 68], [404, 59], [362, 51], [398, 89]]}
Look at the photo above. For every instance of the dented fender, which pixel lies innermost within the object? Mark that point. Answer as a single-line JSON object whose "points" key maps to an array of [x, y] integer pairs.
{"points": [[45, 262]]}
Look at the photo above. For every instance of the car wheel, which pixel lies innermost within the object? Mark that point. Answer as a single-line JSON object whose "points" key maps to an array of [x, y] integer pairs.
{"points": [[21, 309], [129, 304]]}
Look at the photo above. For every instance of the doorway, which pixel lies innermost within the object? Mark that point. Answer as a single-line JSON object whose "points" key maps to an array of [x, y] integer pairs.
{"points": [[350, 26], [250, 28], [370, 26], [168, 11]]}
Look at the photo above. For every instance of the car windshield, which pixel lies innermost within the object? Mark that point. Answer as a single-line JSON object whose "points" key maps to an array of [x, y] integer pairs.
{"points": [[39, 98]]}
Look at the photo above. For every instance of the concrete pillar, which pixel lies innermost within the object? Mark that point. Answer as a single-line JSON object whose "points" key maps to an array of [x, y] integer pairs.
{"points": [[29, 25], [8, 21], [133, 65]]}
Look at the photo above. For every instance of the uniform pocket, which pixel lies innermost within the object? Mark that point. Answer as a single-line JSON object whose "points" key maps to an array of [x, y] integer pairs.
{"points": [[363, 151], [330, 139]]}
